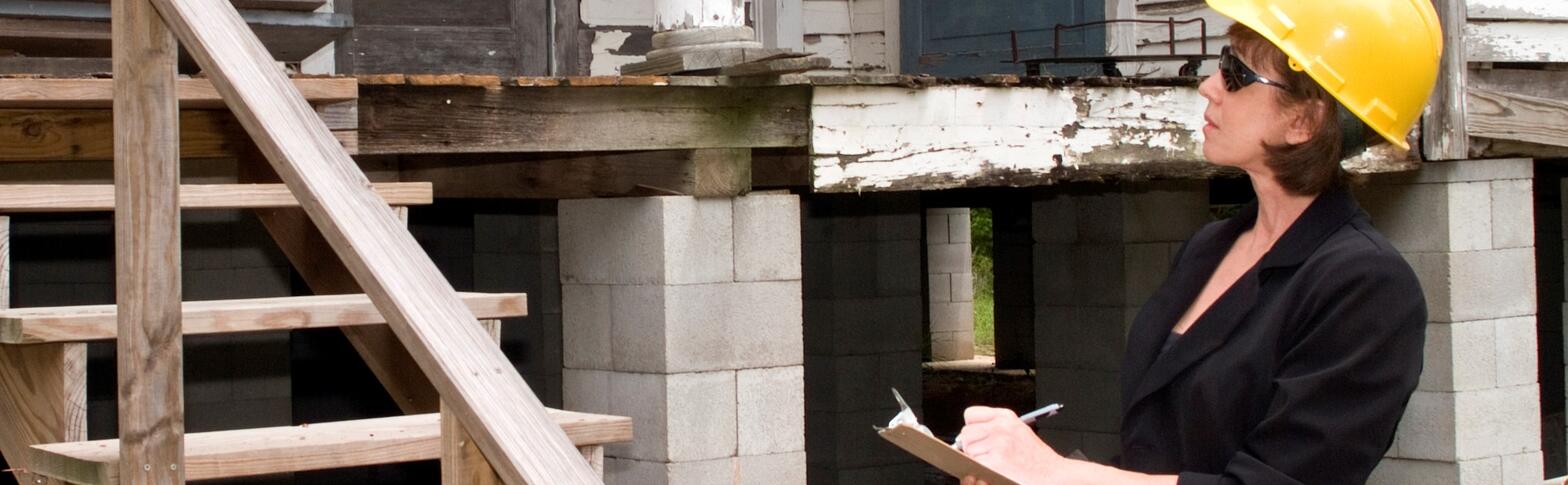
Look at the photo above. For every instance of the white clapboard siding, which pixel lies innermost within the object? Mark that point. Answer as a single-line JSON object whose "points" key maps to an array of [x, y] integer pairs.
{"points": [[832, 17], [1516, 41], [1154, 39], [869, 50], [1518, 9]]}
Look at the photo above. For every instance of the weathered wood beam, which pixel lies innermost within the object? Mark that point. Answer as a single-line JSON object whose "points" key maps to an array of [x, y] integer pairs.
{"points": [[868, 138], [147, 247], [1517, 117], [1516, 41], [194, 93], [484, 389], [718, 172], [54, 66], [1529, 82], [80, 135], [461, 461], [291, 5], [1443, 134], [19, 198], [97, 322], [76, 28], [445, 119], [1517, 10]]}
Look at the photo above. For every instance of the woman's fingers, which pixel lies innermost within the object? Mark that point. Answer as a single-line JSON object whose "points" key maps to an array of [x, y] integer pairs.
{"points": [[981, 414]]}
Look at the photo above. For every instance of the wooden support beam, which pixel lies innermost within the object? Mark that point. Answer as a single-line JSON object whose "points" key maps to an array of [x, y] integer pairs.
{"points": [[317, 446], [445, 119], [1443, 133], [485, 391], [75, 135], [325, 274], [27, 93], [54, 66], [461, 461], [716, 172], [1518, 117], [43, 388], [147, 247], [97, 322], [100, 198]]}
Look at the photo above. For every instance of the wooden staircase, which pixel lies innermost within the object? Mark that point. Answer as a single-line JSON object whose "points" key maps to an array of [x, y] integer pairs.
{"points": [[43, 425]]}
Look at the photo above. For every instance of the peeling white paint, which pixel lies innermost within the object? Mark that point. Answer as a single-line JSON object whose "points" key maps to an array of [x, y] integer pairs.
{"points": [[605, 63], [876, 137], [691, 14], [617, 12], [1517, 9], [1516, 41]]}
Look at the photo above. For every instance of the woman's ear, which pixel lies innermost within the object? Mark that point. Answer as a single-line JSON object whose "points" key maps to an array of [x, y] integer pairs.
{"points": [[1305, 119]]}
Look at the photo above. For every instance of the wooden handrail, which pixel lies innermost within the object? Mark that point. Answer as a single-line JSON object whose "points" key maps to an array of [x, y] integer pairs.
{"points": [[484, 390]]}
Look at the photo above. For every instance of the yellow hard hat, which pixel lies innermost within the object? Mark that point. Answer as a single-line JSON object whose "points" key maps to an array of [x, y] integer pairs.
{"points": [[1379, 58]]}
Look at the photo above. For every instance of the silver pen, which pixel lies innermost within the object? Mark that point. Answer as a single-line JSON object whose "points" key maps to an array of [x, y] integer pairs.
{"points": [[1028, 418]]}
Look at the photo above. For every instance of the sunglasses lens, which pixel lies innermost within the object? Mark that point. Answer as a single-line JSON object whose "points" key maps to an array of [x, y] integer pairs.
{"points": [[1233, 71]]}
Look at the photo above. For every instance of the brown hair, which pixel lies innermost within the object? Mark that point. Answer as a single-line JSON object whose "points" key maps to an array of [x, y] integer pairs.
{"points": [[1311, 167]]}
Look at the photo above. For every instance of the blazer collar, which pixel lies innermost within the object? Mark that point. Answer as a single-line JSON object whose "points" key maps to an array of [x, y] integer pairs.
{"points": [[1149, 371]]}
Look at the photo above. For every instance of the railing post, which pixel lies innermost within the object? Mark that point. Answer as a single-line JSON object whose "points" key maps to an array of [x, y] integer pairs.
{"points": [[147, 247]]}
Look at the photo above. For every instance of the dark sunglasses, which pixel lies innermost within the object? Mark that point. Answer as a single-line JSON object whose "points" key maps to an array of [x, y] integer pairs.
{"points": [[1237, 75]]}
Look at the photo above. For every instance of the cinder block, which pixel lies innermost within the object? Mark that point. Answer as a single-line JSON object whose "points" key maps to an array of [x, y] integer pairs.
{"points": [[958, 226], [1469, 216], [549, 228], [496, 272], [1399, 471], [1491, 284], [640, 328], [898, 268], [854, 269], [260, 365], [767, 238], [858, 447], [623, 471], [1427, 430], [913, 472], [586, 327], [1474, 171], [897, 221], [733, 326], [816, 275], [963, 287], [1079, 338], [1054, 219], [1460, 357], [702, 415], [588, 391], [645, 399], [936, 227], [698, 241], [948, 258], [771, 411], [715, 471], [941, 286], [1101, 217], [1167, 211], [1497, 422], [1146, 265], [1432, 271], [776, 469], [1096, 396], [548, 295], [1523, 468], [1516, 352], [1414, 218], [879, 325], [612, 240], [505, 232], [953, 316], [1513, 214]]}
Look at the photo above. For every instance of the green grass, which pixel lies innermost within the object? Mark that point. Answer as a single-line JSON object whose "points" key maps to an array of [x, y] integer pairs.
{"points": [[980, 247]]}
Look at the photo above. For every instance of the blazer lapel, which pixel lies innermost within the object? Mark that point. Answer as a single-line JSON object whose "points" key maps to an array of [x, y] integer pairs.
{"points": [[1203, 338]]}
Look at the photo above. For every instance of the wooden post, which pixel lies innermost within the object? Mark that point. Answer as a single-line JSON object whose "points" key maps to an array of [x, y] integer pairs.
{"points": [[1443, 133], [461, 461], [486, 393], [147, 247]]}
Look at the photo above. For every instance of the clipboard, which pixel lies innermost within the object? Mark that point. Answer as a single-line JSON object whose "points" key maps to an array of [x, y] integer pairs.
{"points": [[940, 454]]}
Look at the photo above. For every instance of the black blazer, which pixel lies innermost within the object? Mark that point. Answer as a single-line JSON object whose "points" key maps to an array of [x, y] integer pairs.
{"points": [[1299, 373]]}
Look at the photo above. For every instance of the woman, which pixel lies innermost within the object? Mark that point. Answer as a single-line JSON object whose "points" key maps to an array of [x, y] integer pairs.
{"points": [[1286, 341]]}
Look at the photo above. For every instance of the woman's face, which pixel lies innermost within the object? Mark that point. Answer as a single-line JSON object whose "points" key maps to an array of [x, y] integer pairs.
{"points": [[1239, 123]]}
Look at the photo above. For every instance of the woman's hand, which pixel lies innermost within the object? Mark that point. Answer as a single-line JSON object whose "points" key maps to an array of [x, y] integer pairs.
{"points": [[995, 438]]}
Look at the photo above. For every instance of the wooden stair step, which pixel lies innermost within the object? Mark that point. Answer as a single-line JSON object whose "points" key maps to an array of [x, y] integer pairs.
{"points": [[19, 198], [97, 322], [194, 93], [227, 454]]}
